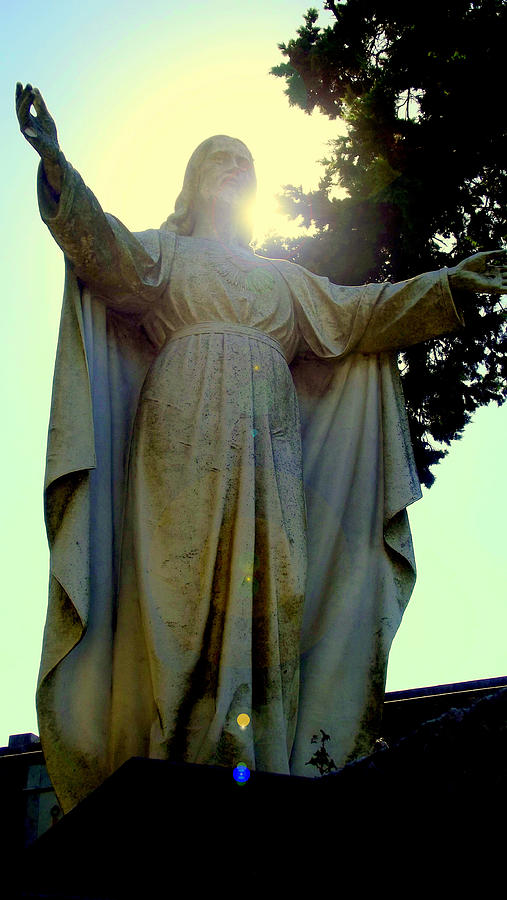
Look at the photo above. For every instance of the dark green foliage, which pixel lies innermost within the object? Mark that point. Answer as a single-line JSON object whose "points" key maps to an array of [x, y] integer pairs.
{"points": [[423, 165]]}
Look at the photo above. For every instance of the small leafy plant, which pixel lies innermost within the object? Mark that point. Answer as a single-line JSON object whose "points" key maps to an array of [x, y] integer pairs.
{"points": [[321, 759]]}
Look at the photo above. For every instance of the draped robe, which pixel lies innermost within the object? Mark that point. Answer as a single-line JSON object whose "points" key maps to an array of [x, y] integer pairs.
{"points": [[226, 513]]}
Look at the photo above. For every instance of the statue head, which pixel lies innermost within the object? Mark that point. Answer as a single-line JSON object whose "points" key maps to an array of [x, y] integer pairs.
{"points": [[220, 171]]}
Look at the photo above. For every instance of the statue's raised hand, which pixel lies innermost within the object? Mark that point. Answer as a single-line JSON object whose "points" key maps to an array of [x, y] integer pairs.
{"points": [[39, 130], [479, 273]]}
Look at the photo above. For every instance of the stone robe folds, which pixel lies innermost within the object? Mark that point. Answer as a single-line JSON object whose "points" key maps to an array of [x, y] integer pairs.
{"points": [[227, 514]]}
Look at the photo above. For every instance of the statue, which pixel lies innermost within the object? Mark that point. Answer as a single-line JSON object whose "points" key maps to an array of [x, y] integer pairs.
{"points": [[228, 471]]}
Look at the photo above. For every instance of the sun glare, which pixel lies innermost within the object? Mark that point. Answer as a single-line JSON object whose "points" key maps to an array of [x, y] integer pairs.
{"points": [[267, 219]]}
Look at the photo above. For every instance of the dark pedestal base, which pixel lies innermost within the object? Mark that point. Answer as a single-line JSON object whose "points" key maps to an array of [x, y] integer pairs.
{"points": [[160, 830]]}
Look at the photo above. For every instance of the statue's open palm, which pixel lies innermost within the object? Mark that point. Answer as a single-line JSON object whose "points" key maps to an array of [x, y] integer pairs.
{"points": [[39, 130], [479, 273]]}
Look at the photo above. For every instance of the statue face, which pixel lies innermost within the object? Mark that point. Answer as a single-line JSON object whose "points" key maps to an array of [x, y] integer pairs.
{"points": [[227, 173]]}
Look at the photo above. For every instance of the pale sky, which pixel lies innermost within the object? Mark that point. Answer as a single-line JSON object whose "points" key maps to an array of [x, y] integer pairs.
{"points": [[133, 89]]}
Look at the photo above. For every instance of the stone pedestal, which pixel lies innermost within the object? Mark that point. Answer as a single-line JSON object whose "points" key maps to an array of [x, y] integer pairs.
{"points": [[154, 824], [159, 830]]}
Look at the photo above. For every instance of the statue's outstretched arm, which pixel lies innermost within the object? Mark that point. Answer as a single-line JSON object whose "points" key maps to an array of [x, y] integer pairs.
{"points": [[102, 252], [413, 311]]}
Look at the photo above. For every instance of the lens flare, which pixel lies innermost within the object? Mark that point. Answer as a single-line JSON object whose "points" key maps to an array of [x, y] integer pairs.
{"points": [[241, 773]]}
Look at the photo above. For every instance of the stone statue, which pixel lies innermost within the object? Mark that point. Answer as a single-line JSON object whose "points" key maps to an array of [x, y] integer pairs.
{"points": [[228, 471]]}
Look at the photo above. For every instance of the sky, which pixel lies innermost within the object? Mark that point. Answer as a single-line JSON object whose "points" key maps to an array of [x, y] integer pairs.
{"points": [[133, 89]]}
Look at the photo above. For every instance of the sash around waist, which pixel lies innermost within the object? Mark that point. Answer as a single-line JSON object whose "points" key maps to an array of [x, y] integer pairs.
{"points": [[227, 328]]}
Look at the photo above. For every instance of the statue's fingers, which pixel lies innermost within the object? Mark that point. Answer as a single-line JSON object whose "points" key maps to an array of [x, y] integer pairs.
{"points": [[485, 260], [22, 92], [25, 104], [19, 91], [486, 254], [27, 91], [39, 104]]}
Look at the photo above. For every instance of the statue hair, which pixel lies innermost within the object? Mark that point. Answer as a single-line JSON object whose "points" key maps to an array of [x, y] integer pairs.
{"points": [[182, 220]]}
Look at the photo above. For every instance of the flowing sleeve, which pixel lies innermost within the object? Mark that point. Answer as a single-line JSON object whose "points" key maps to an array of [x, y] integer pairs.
{"points": [[410, 312], [335, 320], [127, 271]]}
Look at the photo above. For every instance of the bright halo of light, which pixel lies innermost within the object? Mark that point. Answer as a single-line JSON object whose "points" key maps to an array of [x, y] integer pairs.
{"points": [[267, 219]]}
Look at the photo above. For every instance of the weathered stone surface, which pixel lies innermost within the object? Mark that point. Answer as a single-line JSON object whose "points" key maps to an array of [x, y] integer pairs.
{"points": [[227, 476]]}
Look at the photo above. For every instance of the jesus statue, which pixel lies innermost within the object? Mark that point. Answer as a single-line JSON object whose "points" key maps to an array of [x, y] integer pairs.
{"points": [[228, 471]]}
